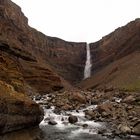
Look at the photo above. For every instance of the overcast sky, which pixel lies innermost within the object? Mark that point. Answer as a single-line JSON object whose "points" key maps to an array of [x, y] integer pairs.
{"points": [[79, 20]]}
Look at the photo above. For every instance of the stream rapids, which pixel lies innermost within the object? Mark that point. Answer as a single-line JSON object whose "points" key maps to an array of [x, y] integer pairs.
{"points": [[83, 129]]}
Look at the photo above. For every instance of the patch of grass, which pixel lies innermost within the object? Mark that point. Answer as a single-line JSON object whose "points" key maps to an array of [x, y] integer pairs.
{"points": [[135, 86]]}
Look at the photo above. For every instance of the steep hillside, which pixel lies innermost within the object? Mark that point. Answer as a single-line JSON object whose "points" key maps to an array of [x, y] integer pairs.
{"points": [[30, 63], [115, 59], [64, 58]]}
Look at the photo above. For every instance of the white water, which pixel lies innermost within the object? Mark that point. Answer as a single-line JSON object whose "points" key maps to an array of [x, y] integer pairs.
{"points": [[63, 130], [62, 118], [87, 71], [63, 124]]}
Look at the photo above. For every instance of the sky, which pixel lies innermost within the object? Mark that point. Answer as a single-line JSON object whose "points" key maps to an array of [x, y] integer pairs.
{"points": [[79, 20]]}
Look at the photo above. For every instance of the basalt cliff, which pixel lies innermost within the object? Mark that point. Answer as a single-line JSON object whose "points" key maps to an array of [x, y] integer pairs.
{"points": [[115, 59], [33, 63]]}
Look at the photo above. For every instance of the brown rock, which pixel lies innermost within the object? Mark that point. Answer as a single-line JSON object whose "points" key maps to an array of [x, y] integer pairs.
{"points": [[129, 99], [90, 114], [136, 129], [17, 111], [66, 107], [104, 114], [124, 129], [105, 107], [77, 96]]}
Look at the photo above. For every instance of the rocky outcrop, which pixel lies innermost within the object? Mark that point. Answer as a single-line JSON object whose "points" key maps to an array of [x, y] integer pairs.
{"points": [[17, 110], [115, 59]]}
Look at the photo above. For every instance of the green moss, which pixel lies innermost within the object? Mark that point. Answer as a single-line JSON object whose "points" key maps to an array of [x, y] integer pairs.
{"points": [[135, 86]]}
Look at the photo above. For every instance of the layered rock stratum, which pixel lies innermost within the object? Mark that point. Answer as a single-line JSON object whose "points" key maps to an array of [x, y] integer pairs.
{"points": [[115, 59]]}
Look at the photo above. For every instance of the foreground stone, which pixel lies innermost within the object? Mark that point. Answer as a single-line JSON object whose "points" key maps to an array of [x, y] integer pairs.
{"points": [[51, 122], [124, 129], [17, 111], [137, 129], [72, 119]]}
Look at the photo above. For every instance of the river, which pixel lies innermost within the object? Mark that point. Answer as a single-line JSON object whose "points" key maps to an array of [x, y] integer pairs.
{"points": [[63, 130]]}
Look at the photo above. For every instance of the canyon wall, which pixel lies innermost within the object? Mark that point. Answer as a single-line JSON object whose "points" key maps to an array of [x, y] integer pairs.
{"points": [[116, 45], [16, 109], [31, 63], [50, 58], [115, 59]]}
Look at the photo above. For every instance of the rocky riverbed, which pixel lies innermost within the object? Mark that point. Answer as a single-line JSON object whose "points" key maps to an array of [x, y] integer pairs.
{"points": [[107, 114], [110, 113]]}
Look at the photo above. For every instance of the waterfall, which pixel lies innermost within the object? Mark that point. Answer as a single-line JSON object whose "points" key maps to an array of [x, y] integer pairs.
{"points": [[87, 70]]}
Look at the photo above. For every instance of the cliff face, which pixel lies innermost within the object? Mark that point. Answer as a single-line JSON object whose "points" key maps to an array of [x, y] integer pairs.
{"points": [[65, 58], [16, 109], [116, 45], [115, 58], [30, 63], [50, 55]]}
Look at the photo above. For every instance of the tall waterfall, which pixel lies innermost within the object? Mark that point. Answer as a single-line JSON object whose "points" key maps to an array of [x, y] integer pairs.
{"points": [[87, 71]]}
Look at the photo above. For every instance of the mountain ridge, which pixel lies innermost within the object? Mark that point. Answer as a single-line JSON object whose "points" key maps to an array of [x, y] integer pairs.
{"points": [[109, 53]]}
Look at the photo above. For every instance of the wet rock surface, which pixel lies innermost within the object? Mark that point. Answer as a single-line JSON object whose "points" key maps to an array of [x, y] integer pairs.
{"points": [[51, 122], [72, 119]]}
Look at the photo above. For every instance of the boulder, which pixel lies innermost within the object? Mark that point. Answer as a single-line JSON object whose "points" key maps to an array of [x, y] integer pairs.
{"points": [[129, 99], [52, 122], [17, 111], [77, 96], [89, 114], [38, 97], [85, 125], [124, 129], [72, 119], [105, 107], [136, 129]]}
